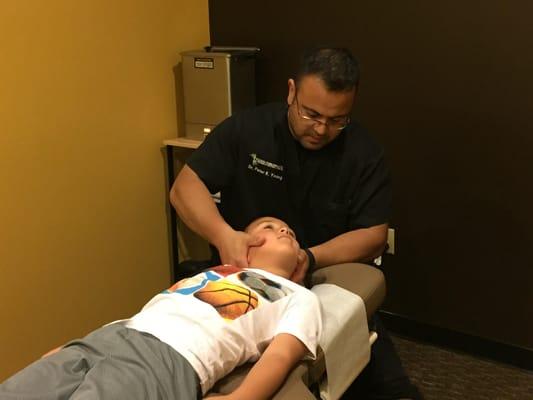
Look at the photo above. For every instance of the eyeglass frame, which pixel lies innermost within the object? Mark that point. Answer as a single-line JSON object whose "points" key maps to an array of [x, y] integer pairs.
{"points": [[327, 124]]}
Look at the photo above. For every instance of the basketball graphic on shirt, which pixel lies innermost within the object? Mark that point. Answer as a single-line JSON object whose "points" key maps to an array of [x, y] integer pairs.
{"points": [[230, 300], [226, 269]]}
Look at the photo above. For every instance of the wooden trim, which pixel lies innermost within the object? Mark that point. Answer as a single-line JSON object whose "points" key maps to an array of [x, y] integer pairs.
{"points": [[182, 142]]}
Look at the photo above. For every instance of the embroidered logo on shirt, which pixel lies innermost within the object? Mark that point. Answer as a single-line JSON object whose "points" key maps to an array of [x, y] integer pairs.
{"points": [[266, 168]]}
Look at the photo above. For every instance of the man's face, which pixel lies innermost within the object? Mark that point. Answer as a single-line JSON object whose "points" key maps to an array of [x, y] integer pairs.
{"points": [[317, 115]]}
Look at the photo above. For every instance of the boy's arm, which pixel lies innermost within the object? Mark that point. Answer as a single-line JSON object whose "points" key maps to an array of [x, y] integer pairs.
{"points": [[269, 372]]}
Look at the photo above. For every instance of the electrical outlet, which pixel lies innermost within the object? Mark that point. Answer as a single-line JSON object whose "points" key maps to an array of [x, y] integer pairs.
{"points": [[390, 241]]}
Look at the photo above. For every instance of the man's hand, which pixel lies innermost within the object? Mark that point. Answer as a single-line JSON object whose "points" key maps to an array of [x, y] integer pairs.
{"points": [[233, 247], [301, 268]]}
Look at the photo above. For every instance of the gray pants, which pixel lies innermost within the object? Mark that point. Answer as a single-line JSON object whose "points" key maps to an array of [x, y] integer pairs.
{"points": [[112, 362]]}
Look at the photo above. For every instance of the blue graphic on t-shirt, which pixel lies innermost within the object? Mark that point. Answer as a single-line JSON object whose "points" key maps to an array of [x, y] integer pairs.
{"points": [[207, 276]]}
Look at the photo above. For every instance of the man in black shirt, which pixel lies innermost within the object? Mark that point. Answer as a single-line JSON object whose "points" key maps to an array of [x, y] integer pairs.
{"points": [[305, 162]]}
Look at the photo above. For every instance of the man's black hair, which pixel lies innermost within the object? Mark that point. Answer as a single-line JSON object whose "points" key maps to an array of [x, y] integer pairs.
{"points": [[336, 67]]}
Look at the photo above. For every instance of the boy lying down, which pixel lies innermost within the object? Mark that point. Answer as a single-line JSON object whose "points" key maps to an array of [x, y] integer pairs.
{"points": [[189, 336]]}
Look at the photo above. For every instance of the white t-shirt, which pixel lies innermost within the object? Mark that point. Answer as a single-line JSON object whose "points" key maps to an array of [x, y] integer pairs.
{"points": [[227, 316]]}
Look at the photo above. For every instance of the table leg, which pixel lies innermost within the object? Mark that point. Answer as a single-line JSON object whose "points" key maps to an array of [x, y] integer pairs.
{"points": [[172, 220]]}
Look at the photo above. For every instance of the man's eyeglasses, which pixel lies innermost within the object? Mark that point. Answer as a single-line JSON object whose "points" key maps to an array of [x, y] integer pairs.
{"points": [[336, 124]]}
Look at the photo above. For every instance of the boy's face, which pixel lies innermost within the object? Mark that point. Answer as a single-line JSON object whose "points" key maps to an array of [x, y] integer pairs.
{"points": [[277, 234]]}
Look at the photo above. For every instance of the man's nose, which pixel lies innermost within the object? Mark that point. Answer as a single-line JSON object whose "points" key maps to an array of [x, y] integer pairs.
{"points": [[283, 230], [321, 129]]}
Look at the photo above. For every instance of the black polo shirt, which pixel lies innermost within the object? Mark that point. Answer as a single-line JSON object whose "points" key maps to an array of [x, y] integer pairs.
{"points": [[259, 169]]}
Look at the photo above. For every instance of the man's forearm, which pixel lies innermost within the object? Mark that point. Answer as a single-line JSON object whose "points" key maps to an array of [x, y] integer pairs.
{"points": [[360, 245], [196, 207]]}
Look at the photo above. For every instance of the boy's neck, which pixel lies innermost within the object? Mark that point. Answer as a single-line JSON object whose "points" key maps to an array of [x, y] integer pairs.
{"points": [[273, 265]]}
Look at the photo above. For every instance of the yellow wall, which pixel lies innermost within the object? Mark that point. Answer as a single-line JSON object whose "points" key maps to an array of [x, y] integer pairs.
{"points": [[86, 98]]}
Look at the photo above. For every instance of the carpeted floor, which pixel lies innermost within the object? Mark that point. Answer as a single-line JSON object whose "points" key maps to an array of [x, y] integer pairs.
{"points": [[442, 374]]}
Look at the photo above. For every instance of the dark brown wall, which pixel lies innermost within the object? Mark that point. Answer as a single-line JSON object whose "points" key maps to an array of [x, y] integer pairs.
{"points": [[447, 89]]}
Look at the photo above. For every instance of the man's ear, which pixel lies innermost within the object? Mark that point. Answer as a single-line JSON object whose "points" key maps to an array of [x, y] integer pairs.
{"points": [[292, 91]]}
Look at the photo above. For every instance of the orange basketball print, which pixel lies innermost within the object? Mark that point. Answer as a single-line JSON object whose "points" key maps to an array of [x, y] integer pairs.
{"points": [[230, 300]]}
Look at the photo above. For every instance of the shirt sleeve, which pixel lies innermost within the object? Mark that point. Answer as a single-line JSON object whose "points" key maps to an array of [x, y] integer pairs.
{"points": [[302, 319], [372, 205], [215, 161]]}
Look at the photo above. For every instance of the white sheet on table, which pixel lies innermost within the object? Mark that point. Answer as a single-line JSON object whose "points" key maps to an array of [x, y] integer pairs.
{"points": [[345, 338]]}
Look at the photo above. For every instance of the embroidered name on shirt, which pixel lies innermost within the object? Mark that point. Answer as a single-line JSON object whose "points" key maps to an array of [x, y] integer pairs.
{"points": [[257, 165]]}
